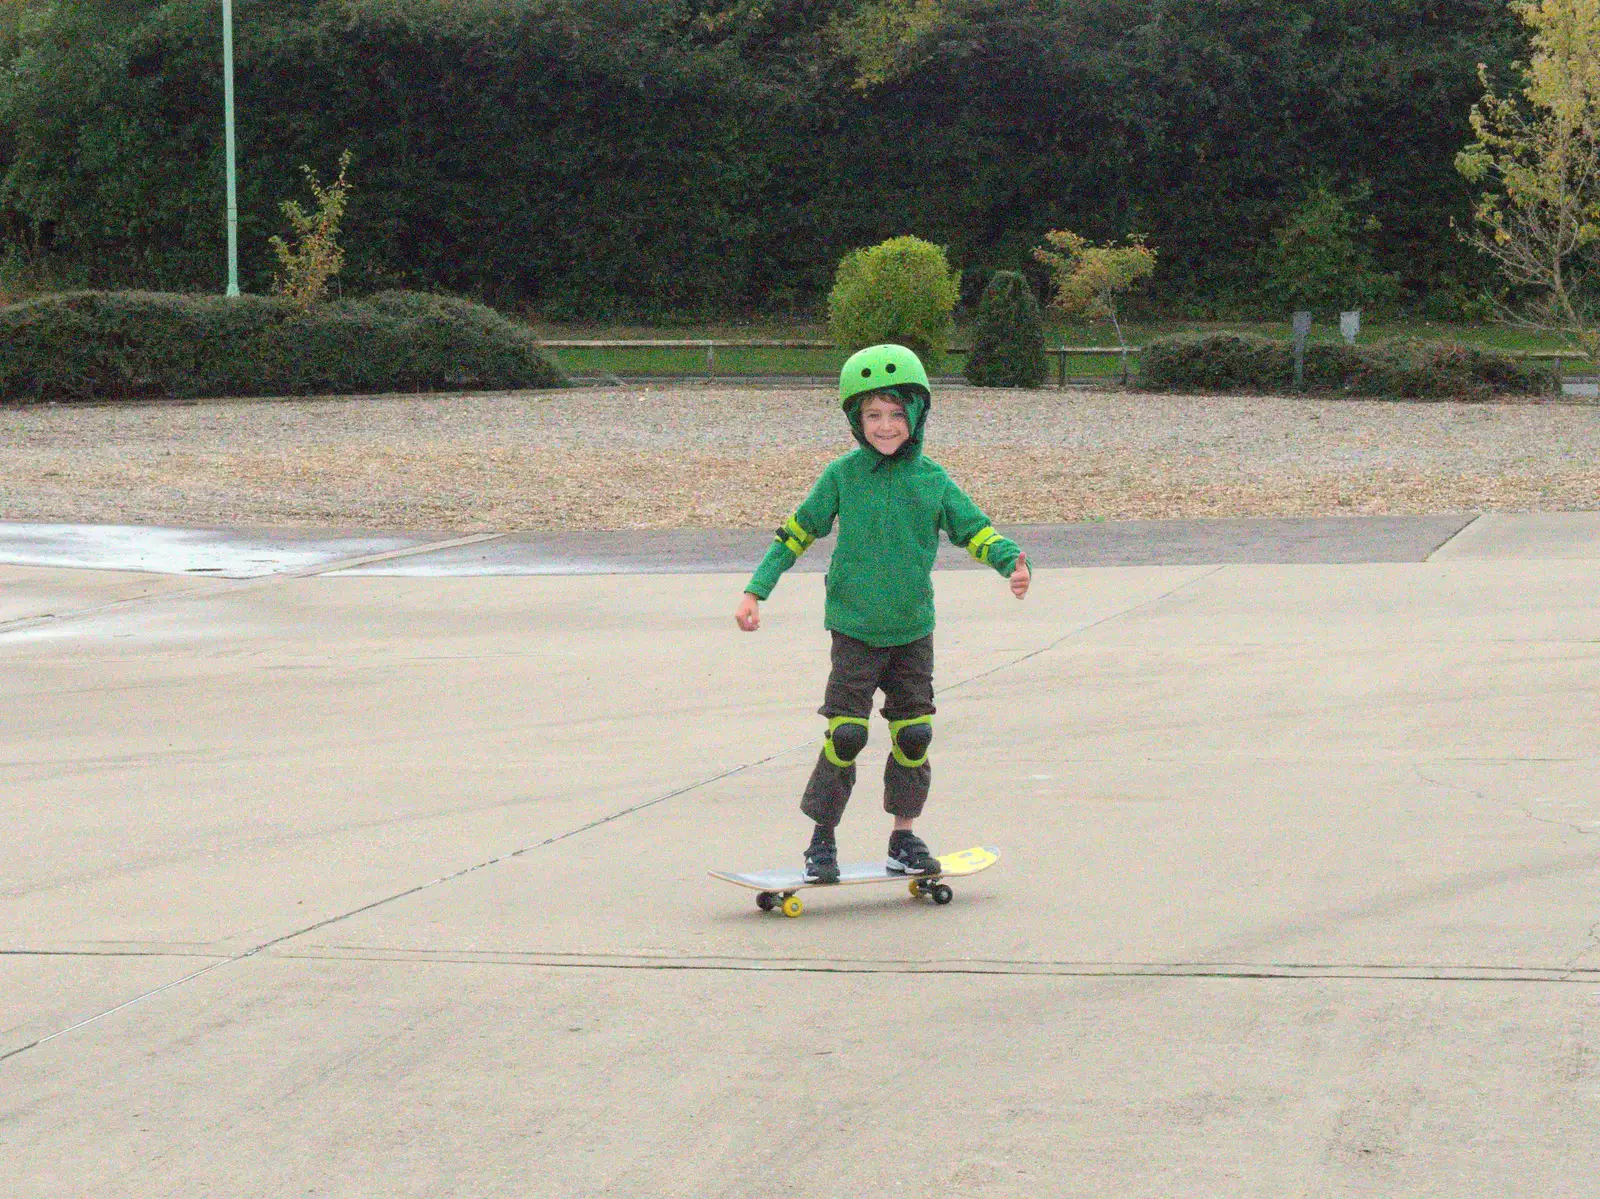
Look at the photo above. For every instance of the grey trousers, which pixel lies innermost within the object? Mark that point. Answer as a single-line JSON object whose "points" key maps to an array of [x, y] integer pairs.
{"points": [[904, 673]]}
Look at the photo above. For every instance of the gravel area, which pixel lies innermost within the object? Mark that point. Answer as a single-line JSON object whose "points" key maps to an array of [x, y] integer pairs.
{"points": [[723, 456]]}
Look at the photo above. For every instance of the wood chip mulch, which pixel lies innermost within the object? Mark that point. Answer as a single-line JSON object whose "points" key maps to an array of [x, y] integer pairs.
{"points": [[722, 456]]}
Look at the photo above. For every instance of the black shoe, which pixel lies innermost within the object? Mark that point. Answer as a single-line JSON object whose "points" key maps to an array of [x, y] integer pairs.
{"points": [[822, 859], [908, 855]]}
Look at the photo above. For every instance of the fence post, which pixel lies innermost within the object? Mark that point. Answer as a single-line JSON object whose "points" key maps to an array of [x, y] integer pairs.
{"points": [[1061, 367], [711, 360], [1302, 330], [1124, 366]]}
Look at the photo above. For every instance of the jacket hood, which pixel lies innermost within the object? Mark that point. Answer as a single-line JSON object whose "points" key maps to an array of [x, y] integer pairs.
{"points": [[917, 403]]}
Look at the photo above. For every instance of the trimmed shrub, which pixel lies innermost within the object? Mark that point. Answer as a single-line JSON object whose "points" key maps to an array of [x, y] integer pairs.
{"points": [[1442, 370], [1327, 366], [1518, 376], [1008, 337], [1215, 362], [1438, 370], [131, 345], [899, 291]]}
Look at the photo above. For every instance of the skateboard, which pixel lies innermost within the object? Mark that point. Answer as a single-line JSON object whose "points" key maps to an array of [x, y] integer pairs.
{"points": [[777, 888]]}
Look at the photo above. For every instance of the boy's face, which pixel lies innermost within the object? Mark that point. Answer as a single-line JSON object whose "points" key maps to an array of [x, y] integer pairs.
{"points": [[883, 421]]}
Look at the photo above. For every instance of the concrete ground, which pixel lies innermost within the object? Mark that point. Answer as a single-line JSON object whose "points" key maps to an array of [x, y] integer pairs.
{"points": [[342, 883]]}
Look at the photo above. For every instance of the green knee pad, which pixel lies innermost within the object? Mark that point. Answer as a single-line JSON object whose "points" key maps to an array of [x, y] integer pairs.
{"points": [[909, 740], [847, 737]]}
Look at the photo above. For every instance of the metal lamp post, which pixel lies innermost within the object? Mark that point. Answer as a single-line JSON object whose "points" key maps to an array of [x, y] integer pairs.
{"points": [[227, 110]]}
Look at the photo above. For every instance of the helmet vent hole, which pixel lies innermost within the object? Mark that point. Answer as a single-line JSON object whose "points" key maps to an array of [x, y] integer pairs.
{"points": [[866, 372], [889, 369]]}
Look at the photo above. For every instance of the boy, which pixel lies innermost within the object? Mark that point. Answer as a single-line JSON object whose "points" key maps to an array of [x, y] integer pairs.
{"points": [[890, 502]]}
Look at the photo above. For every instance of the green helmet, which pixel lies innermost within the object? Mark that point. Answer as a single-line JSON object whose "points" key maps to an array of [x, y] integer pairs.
{"points": [[881, 366]]}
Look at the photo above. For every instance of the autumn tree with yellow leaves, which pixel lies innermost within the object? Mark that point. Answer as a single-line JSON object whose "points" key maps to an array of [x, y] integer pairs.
{"points": [[316, 257], [1538, 156], [1086, 279]]}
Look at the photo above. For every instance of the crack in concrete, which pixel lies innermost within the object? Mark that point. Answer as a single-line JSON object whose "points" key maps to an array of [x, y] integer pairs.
{"points": [[1591, 938], [1083, 628], [573, 832], [1591, 942], [1511, 803]]}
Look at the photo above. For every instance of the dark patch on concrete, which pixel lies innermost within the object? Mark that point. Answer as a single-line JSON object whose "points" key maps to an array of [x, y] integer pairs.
{"points": [[1309, 540]]}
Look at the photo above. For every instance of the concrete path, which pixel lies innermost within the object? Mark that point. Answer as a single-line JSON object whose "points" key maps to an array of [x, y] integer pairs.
{"points": [[252, 554], [361, 885]]}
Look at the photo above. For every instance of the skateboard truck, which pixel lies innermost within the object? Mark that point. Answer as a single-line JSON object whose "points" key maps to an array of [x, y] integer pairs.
{"points": [[928, 887]]}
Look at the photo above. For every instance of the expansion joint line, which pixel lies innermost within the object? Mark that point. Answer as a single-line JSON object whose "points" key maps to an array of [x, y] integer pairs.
{"points": [[387, 899]]}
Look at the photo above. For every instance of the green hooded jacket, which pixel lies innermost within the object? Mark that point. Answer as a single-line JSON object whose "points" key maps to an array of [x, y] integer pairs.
{"points": [[890, 511]]}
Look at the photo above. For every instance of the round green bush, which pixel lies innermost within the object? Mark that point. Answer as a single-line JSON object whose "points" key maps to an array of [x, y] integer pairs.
{"points": [[1008, 336], [899, 291], [131, 345]]}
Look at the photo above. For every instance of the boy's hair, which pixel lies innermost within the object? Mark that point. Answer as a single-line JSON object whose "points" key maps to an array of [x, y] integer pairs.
{"points": [[882, 393]]}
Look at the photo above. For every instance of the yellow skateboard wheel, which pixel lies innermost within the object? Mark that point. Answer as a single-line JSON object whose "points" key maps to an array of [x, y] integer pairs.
{"points": [[792, 906], [915, 889]]}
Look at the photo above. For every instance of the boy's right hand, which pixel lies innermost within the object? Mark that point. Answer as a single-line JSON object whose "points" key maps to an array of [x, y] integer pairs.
{"points": [[748, 614]]}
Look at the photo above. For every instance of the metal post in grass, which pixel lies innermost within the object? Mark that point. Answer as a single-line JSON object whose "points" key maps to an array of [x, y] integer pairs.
{"points": [[227, 122], [1061, 368], [711, 359], [1302, 329]]}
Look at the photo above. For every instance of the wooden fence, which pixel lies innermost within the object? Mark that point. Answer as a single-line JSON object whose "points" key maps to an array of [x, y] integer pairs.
{"points": [[1060, 353]]}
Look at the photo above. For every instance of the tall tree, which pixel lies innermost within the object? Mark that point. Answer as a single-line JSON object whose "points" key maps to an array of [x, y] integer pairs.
{"points": [[1540, 219]]}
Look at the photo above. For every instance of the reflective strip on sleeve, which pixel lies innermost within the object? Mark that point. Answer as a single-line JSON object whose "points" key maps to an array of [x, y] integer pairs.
{"points": [[981, 541], [794, 536]]}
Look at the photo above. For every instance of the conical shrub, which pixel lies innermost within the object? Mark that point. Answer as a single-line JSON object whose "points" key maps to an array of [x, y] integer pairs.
{"points": [[1008, 338]]}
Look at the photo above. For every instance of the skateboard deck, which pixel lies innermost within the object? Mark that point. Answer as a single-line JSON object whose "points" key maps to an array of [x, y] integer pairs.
{"points": [[777, 888]]}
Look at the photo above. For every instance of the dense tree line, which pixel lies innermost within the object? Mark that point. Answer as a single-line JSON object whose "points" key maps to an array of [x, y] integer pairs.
{"points": [[592, 157]]}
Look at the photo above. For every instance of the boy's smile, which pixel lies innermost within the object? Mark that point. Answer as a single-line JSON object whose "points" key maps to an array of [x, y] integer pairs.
{"points": [[883, 422]]}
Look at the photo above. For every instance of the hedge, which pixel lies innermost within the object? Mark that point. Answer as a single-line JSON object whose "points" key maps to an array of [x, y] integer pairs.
{"points": [[1406, 369], [598, 158], [132, 345]]}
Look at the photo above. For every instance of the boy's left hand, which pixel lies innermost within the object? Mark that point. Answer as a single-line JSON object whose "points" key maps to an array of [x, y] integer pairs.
{"points": [[1020, 577]]}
